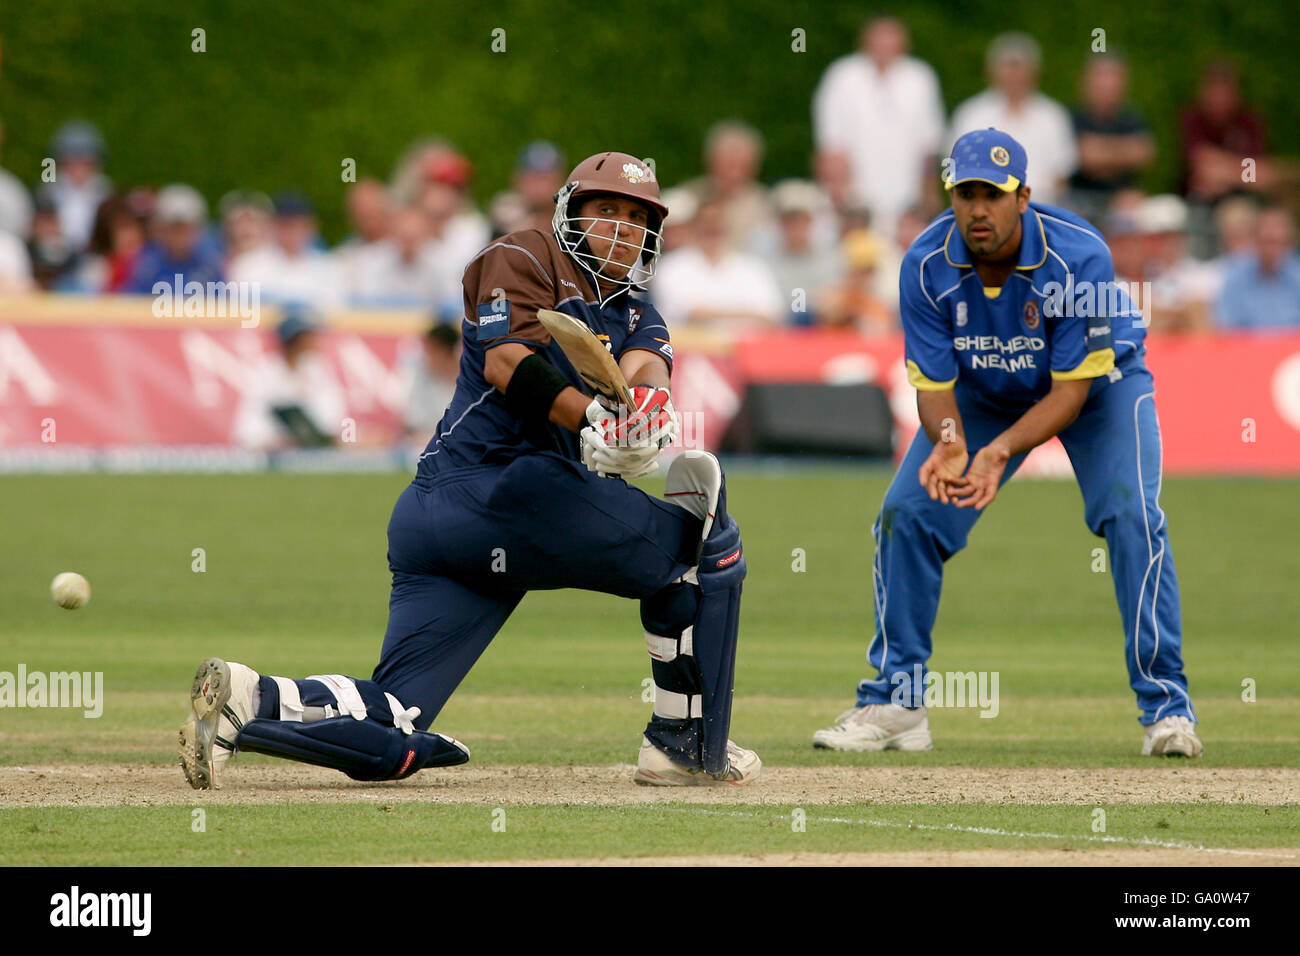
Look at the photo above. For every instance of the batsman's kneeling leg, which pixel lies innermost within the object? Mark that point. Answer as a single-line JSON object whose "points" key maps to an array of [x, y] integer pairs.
{"points": [[362, 749], [692, 626], [331, 720]]}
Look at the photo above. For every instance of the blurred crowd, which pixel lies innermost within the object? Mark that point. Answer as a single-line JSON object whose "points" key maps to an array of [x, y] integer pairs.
{"points": [[740, 252]]}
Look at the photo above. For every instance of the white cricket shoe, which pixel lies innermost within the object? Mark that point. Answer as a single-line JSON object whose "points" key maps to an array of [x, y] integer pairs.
{"points": [[221, 701], [877, 727], [1172, 737], [656, 769]]}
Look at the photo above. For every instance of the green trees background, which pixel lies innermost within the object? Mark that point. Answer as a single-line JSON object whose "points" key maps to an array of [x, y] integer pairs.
{"points": [[286, 91]]}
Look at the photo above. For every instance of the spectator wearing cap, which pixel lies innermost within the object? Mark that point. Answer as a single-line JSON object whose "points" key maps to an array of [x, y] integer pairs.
{"points": [[178, 251], [529, 203], [892, 249], [1235, 223], [245, 221], [457, 230], [294, 382], [708, 283], [51, 255], [1180, 285], [682, 206], [1115, 143], [1262, 288], [878, 124], [79, 185], [802, 261], [1014, 105], [733, 156], [1123, 233], [853, 303], [431, 380], [15, 203], [290, 268]]}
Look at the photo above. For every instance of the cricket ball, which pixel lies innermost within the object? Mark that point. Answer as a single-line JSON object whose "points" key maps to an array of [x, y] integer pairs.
{"points": [[70, 590]]}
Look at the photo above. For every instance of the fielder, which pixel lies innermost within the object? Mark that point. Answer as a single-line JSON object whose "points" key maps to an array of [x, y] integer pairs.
{"points": [[1014, 333], [519, 490]]}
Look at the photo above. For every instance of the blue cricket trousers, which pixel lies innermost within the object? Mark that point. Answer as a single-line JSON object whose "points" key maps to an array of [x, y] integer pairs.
{"points": [[464, 546], [1114, 446]]}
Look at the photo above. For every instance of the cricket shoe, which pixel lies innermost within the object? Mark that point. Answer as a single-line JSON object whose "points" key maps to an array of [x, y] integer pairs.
{"points": [[655, 768], [877, 727], [221, 701], [1172, 737]]}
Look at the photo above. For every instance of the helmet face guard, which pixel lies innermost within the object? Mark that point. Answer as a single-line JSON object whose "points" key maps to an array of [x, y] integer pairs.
{"points": [[572, 232], [624, 176]]}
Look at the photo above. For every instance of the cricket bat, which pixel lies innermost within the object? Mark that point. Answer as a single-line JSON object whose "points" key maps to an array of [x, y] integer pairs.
{"points": [[592, 360]]}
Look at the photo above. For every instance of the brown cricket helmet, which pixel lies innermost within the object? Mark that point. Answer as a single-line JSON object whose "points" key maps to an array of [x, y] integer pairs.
{"points": [[618, 174]]}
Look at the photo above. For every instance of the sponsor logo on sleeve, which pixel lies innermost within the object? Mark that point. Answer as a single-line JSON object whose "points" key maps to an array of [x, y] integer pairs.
{"points": [[493, 319]]}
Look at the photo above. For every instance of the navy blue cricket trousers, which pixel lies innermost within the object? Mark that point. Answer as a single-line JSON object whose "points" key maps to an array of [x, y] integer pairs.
{"points": [[466, 545]]}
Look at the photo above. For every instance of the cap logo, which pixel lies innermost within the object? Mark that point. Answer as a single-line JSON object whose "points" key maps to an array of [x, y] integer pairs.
{"points": [[1000, 155], [635, 173]]}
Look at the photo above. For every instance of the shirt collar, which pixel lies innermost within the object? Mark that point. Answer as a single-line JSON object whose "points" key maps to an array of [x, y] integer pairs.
{"points": [[1033, 244]]}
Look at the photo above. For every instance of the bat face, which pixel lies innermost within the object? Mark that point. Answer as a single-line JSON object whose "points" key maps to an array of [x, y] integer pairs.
{"points": [[592, 360]]}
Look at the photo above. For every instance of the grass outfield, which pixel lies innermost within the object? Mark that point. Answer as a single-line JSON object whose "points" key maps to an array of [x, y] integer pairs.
{"points": [[296, 583]]}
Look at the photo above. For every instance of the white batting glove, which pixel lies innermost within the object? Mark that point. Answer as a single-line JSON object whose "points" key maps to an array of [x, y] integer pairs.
{"points": [[626, 461]]}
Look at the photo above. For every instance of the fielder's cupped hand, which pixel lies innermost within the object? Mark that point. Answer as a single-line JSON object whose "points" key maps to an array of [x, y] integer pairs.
{"points": [[979, 486], [943, 470]]}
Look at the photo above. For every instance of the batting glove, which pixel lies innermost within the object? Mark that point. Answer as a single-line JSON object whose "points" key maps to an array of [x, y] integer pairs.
{"points": [[652, 420]]}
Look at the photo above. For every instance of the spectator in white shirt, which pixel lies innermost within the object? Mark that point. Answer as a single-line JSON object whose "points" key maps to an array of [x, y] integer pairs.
{"points": [[709, 284], [295, 382], [15, 203], [805, 260], [79, 186], [1014, 105], [291, 269], [878, 124], [457, 230], [245, 221], [431, 374], [15, 265], [400, 271], [733, 155]]}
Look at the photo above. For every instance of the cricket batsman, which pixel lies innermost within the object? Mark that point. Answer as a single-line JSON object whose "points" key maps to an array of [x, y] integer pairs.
{"points": [[520, 490], [1015, 332]]}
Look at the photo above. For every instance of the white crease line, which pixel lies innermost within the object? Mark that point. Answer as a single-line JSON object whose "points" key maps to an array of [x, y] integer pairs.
{"points": [[993, 831]]}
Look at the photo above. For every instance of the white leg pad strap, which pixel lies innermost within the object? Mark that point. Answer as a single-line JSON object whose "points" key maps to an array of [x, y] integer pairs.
{"points": [[290, 700], [667, 648], [345, 692], [677, 706], [403, 719], [661, 648]]}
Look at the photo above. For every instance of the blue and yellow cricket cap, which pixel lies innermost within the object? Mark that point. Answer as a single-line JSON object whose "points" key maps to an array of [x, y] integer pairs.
{"points": [[989, 156]]}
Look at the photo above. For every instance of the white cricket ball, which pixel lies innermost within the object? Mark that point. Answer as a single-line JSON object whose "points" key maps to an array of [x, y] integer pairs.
{"points": [[70, 590]]}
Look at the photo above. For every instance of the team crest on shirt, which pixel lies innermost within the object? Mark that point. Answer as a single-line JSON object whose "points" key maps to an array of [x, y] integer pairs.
{"points": [[961, 314], [636, 173], [1031, 315], [633, 317], [1000, 155]]}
